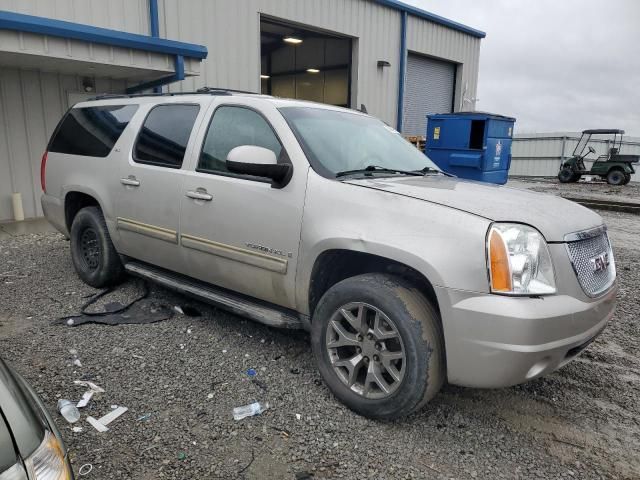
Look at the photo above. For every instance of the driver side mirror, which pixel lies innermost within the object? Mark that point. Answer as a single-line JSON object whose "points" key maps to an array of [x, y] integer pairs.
{"points": [[591, 149], [259, 162]]}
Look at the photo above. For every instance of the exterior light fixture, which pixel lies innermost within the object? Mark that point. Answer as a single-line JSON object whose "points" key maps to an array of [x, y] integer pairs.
{"points": [[265, 77], [292, 40], [313, 70], [383, 63]]}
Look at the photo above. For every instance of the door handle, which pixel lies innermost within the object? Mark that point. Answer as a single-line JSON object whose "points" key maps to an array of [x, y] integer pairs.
{"points": [[130, 181], [199, 194]]}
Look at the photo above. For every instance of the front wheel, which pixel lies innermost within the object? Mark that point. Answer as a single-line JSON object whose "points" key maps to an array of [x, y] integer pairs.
{"points": [[565, 175], [616, 177], [94, 257], [627, 178], [379, 345]]}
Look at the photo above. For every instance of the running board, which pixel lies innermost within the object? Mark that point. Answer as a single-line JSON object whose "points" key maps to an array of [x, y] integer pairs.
{"points": [[256, 310]]}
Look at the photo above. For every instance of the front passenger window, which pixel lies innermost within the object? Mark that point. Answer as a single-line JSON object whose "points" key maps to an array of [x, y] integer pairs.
{"points": [[233, 127]]}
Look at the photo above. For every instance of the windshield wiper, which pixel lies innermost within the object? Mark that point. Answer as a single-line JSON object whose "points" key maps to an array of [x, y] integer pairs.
{"points": [[376, 168], [426, 170]]}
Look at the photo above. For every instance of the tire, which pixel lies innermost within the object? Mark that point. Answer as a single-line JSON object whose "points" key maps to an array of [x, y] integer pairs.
{"points": [[615, 177], [576, 177], [92, 252], [627, 178], [565, 175], [413, 332]]}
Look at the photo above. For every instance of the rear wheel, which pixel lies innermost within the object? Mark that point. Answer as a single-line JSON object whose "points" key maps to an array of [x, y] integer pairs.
{"points": [[627, 178], [565, 175], [379, 345], [92, 252], [616, 177]]}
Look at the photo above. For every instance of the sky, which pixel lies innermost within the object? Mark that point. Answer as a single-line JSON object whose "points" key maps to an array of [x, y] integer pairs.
{"points": [[555, 65]]}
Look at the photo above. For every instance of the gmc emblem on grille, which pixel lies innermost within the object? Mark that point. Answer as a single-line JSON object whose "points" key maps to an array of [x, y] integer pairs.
{"points": [[601, 262]]}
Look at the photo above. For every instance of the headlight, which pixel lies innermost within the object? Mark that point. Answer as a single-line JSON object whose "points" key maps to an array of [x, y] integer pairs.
{"points": [[47, 462], [518, 261]]}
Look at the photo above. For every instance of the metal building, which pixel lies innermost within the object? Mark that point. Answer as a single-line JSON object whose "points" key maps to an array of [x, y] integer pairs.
{"points": [[400, 62], [541, 154]]}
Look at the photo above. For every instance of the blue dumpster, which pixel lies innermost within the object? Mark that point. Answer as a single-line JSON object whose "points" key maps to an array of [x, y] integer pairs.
{"points": [[473, 145]]}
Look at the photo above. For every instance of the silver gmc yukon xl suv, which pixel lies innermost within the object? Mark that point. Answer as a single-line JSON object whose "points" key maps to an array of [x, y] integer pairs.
{"points": [[302, 215]]}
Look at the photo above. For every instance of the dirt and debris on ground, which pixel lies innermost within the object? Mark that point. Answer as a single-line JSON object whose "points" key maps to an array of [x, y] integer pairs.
{"points": [[595, 190], [181, 379]]}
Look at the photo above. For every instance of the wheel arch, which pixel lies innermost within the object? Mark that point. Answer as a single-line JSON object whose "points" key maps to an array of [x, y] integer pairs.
{"points": [[336, 264], [74, 201]]}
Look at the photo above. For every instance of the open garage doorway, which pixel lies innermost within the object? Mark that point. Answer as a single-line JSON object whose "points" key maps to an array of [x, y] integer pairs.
{"points": [[300, 63]]}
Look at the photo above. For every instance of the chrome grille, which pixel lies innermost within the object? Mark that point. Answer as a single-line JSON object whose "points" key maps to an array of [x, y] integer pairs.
{"points": [[583, 254]]}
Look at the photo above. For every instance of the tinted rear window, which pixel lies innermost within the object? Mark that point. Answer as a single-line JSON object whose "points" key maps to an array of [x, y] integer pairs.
{"points": [[164, 135], [91, 131]]}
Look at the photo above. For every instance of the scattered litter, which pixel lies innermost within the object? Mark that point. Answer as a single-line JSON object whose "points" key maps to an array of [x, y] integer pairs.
{"points": [[249, 410], [210, 396], [97, 425], [77, 362], [178, 309], [77, 429], [246, 355], [298, 416], [141, 310], [252, 372], [112, 415], [85, 469], [68, 410], [90, 385], [113, 407], [189, 331], [101, 423], [182, 346], [86, 398], [182, 456], [224, 351], [144, 417]]}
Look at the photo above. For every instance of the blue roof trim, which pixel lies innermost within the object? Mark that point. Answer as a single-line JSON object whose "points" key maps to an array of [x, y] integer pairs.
{"points": [[116, 38], [432, 17]]}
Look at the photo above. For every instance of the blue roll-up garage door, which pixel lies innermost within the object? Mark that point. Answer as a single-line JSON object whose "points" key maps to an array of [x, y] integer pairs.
{"points": [[429, 87]]}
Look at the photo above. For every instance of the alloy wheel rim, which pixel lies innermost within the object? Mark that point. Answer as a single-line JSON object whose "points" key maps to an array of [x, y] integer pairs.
{"points": [[90, 248], [366, 350]]}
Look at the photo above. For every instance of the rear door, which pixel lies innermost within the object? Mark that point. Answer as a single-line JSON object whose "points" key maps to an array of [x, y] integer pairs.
{"points": [[148, 197]]}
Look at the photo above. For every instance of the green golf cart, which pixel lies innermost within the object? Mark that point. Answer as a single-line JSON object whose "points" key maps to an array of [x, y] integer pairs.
{"points": [[613, 167]]}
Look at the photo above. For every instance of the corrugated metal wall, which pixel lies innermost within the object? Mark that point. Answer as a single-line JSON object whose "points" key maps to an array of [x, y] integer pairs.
{"points": [[31, 104], [231, 31], [539, 154], [440, 42], [126, 15]]}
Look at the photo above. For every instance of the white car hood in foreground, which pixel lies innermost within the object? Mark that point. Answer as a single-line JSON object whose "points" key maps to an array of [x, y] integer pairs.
{"points": [[553, 216]]}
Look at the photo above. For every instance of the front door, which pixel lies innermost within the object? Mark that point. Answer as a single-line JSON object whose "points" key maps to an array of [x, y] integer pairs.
{"points": [[237, 231], [148, 200]]}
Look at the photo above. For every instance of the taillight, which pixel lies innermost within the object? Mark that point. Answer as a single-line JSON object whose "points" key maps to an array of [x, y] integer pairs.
{"points": [[43, 167]]}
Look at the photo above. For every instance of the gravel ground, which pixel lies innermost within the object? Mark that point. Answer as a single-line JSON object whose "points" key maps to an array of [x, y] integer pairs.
{"points": [[187, 374], [594, 189]]}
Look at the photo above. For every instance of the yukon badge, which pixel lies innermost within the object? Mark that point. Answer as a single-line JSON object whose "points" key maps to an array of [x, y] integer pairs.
{"points": [[600, 262]]}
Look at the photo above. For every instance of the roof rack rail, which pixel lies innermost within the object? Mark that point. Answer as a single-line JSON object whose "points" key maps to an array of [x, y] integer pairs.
{"points": [[200, 91]]}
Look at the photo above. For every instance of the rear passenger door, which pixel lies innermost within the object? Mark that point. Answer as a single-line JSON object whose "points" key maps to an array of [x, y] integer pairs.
{"points": [[149, 189]]}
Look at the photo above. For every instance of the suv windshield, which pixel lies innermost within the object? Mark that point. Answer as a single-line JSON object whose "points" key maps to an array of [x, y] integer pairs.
{"points": [[340, 143]]}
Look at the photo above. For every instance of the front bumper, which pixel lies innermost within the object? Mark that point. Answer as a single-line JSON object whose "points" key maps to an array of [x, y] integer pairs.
{"points": [[496, 341]]}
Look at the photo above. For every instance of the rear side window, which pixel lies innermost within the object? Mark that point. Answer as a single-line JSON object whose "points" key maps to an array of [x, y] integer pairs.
{"points": [[164, 135], [91, 131]]}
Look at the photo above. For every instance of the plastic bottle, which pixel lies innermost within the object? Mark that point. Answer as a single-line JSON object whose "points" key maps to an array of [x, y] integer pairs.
{"points": [[249, 410], [68, 410]]}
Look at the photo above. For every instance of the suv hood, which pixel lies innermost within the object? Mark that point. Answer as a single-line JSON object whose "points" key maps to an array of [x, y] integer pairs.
{"points": [[553, 216]]}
